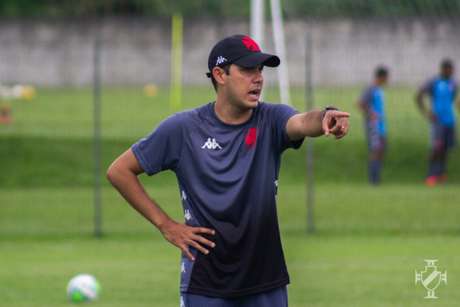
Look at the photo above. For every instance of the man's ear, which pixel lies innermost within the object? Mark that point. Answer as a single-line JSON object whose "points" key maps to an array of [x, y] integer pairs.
{"points": [[219, 75]]}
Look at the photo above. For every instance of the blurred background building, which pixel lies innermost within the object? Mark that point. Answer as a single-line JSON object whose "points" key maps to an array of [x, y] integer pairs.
{"points": [[54, 46]]}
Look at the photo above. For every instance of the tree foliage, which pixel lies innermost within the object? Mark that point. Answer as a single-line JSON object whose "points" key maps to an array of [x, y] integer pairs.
{"points": [[226, 8]]}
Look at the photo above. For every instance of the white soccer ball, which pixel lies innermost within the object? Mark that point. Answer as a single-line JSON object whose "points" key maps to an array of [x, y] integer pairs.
{"points": [[83, 287]]}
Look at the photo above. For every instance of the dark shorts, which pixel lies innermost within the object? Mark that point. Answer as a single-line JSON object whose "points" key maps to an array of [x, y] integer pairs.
{"points": [[375, 140], [442, 137], [272, 298]]}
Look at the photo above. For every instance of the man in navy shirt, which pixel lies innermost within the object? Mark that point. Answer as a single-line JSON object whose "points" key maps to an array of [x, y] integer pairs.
{"points": [[372, 104], [442, 91], [226, 156]]}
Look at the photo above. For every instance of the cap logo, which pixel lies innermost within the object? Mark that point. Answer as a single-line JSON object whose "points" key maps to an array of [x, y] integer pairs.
{"points": [[220, 60], [250, 44]]}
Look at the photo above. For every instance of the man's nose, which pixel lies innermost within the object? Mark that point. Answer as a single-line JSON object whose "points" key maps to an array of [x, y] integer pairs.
{"points": [[258, 77]]}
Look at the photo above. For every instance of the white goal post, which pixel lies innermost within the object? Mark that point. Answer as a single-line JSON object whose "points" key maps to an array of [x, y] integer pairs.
{"points": [[257, 32]]}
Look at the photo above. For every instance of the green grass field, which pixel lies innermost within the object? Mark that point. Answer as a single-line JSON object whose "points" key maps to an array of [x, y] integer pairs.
{"points": [[368, 244]]}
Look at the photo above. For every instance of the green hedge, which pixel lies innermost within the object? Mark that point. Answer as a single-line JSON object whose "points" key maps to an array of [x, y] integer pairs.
{"points": [[226, 8]]}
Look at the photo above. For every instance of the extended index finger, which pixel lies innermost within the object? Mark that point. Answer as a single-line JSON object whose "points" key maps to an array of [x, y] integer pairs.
{"points": [[340, 114]]}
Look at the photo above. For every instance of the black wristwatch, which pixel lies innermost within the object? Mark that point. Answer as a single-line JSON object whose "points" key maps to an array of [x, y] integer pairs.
{"points": [[328, 108]]}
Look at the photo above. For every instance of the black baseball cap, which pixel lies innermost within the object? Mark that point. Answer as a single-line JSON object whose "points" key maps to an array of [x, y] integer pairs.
{"points": [[240, 50]]}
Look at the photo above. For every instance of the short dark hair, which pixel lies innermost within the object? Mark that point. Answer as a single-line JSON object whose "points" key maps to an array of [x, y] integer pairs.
{"points": [[381, 72], [226, 69], [447, 63]]}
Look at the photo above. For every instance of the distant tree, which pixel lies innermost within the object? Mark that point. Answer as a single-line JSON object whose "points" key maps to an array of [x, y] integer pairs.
{"points": [[226, 8]]}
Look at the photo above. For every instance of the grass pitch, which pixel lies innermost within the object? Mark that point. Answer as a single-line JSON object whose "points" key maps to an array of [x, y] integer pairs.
{"points": [[368, 244], [364, 253]]}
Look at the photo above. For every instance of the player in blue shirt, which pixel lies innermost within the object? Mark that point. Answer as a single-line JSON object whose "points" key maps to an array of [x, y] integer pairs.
{"points": [[442, 91], [226, 156], [372, 105]]}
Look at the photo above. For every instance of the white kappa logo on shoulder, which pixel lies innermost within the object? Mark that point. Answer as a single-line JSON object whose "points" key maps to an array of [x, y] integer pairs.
{"points": [[211, 143]]}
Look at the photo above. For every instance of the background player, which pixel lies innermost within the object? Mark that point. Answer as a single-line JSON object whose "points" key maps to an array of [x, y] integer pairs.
{"points": [[442, 90], [371, 104], [226, 156], [8, 93]]}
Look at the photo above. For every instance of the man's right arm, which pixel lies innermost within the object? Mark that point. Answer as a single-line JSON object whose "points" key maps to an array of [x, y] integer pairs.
{"points": [[123, 174], [363, 105], [419, 99], [457, 97]]}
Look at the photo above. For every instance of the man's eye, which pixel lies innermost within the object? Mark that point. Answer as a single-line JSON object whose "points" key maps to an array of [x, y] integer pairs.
{"points": [[252, 69]]}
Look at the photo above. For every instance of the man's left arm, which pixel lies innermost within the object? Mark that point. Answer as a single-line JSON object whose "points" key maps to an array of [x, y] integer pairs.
{"points": [[457, 97], [316, 123]]}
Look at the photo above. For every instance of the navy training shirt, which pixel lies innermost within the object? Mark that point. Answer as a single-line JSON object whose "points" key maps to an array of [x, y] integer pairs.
{"points": [[228, 178]]}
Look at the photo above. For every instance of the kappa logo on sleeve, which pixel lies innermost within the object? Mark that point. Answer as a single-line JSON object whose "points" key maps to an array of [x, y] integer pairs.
{"points": [[187, 215], [211, 143]]}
